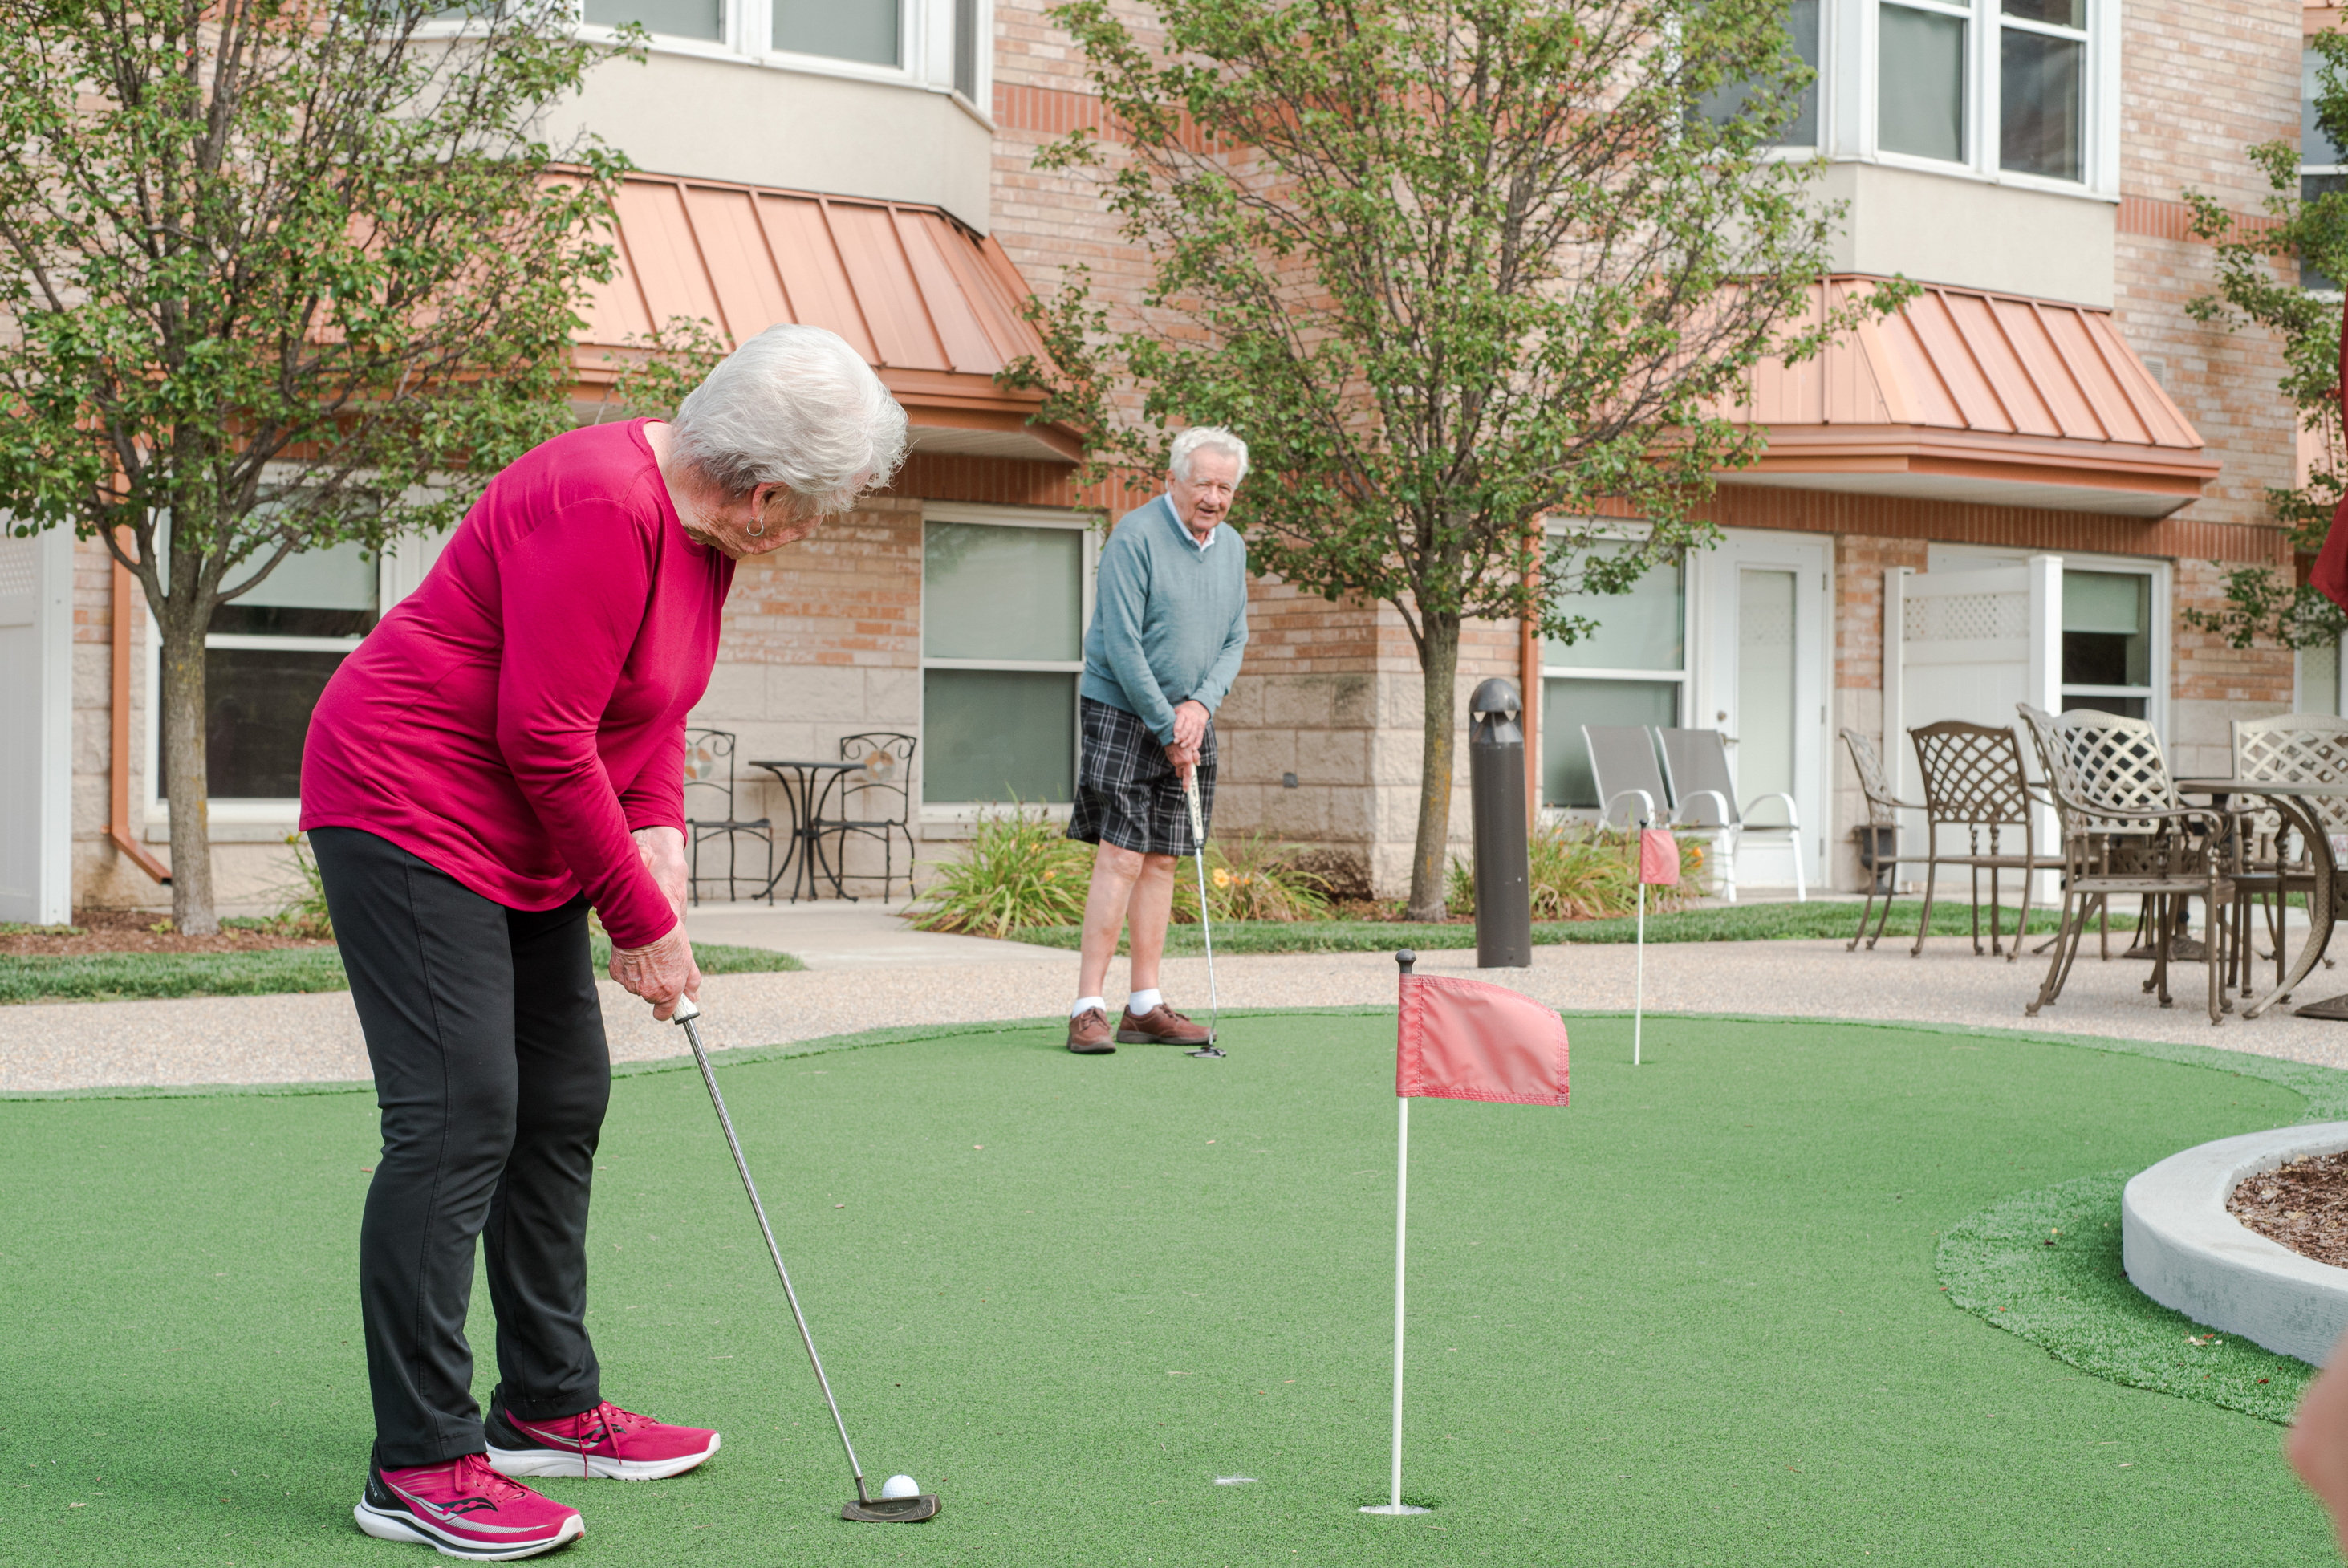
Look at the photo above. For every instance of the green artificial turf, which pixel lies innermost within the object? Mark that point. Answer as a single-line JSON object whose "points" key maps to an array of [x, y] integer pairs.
{"points": [[1748, 923], [1691, 1319], [2046, 1265], [139, 976]]}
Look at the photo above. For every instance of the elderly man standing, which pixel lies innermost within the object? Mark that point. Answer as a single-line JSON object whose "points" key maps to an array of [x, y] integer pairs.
{"points": [[1169, 623]]}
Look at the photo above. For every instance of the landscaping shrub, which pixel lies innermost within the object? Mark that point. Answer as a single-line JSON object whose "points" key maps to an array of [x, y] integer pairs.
{"points": [[301, 902], [1252, 877], [1580, 873], [1021, 870]]}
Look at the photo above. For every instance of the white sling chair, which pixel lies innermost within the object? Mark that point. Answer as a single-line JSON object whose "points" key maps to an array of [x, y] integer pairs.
{"points": [[1695, 766]]}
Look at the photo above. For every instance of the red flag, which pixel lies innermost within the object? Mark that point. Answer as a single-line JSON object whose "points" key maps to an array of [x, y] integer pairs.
{"points": [[1463, 1039], [1659, 857], [2330, 577]]}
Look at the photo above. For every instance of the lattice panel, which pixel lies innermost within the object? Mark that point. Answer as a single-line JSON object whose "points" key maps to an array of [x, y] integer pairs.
{"points": [[2300, 748], [1973, 774], [1964, 617], [20, 566], [1871, 781]]}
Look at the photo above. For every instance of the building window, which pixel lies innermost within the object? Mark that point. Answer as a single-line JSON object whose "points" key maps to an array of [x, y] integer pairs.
{"points": [[2322, 171], [1920, 81], [1003, 623], [267, 660], [2107, 637], [2031, 60], [1631, 670], [967, 43], [868, 32], [702, 19], [1802, 129]]}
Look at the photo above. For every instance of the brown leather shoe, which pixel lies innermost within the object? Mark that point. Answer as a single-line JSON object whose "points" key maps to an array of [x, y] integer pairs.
{"points": [[1089, 1034], [1161, 1026]]}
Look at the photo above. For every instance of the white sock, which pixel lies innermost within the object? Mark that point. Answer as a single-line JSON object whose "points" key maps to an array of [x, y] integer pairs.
{"points": [[1086, 1004], [1142, 1002]]}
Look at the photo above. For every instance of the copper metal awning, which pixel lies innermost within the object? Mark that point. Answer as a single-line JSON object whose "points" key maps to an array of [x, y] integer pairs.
{"points": [[1970, 396], [933, 306]]}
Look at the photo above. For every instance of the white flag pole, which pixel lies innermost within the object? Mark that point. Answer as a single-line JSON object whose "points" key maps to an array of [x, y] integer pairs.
{"points": [[1402, 1211], [1402, 1214], [1638, 986]]}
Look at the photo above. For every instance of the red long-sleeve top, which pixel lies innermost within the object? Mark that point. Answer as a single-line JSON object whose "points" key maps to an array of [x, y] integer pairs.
{"points": [[514, 719]]}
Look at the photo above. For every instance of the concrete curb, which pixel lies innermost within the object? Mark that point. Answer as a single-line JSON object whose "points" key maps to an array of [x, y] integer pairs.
{"points": [[2182, 1249]]}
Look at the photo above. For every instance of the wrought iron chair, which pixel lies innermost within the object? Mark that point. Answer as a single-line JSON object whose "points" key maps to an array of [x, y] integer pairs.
{"points": [[874, 799], [2125, 831], [1883, 810], [1695, 766], [709, 787], [2297, 747], [1974, 781]]}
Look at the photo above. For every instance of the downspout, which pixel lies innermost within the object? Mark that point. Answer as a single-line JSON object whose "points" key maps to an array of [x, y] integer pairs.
{"points": [[127, 605], [1529, 652]]}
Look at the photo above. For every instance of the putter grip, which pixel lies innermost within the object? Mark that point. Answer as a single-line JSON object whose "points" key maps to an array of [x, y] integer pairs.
{"points": [[1197, 821], [684, 1010]]}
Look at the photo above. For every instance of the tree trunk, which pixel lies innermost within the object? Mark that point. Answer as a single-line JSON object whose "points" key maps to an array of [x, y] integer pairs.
{"points": [[1439, 663], [185, 772]]}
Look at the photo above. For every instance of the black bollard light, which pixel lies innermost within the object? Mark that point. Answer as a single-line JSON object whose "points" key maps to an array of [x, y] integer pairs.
{"points": [[1496, 776]]}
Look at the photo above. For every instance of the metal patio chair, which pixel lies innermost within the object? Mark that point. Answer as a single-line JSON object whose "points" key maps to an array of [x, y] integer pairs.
{"points": [[1973, 779], [1695, 766], [2126, 832], [1883, 810], [2295, 748], [709, 788], [874, 799]]}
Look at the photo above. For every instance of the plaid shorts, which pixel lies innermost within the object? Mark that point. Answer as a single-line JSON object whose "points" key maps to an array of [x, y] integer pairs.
{"points": [[1128, 793]]}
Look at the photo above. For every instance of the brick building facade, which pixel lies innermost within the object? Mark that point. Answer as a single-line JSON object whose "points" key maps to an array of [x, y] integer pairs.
{"points": [[882, 622]]}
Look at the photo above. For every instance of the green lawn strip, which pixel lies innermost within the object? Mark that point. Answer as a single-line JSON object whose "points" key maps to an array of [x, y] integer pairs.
{"points": [[1752, 923], [2073, 1299], [141, 977], [1692, 1319]]}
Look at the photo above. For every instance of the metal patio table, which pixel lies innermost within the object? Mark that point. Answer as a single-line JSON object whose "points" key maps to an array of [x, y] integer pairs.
{"points": [[2324, 904], [806, 784]]}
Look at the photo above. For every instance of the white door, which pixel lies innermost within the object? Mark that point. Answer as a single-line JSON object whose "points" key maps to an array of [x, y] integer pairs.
{"points": [[1968, 645], [1763, 617], [35, 727]]}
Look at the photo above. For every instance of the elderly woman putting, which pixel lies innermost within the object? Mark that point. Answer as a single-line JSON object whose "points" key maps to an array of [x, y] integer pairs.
{"points": [[504, 752]]}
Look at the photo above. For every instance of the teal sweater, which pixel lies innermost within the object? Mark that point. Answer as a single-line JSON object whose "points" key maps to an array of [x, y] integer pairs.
{"points": [[1169, 620]]}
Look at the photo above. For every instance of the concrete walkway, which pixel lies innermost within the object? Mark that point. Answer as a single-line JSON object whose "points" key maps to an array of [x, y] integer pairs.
{"points": [[866, 971]]}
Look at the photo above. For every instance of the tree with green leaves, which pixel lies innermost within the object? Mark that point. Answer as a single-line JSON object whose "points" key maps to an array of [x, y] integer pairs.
{"points": [[277, 275], [1453, 268], [2281, 274]]}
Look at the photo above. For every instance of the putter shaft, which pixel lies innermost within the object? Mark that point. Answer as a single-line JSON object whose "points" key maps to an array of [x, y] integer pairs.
{"points": [[1206, 925], [709, 1077]]}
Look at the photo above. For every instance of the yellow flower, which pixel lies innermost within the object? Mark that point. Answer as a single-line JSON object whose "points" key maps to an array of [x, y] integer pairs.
{"points": [[1222, 877]]}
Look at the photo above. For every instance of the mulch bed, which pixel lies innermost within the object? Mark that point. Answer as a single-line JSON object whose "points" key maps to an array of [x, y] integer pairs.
{"points": [[2303, 1205], [133, 931]]}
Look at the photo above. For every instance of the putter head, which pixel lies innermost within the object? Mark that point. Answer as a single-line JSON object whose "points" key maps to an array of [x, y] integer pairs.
{"points": [[1209, 1049], [891, 1509]]}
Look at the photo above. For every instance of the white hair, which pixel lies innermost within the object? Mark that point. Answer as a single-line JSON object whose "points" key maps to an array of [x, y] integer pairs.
{"points": [[1205, 439], [796, 406]]}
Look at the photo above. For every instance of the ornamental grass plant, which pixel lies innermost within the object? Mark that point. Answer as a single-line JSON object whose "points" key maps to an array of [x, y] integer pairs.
{"points": [[1022, 869], [1250, 878], [1579, 871]]}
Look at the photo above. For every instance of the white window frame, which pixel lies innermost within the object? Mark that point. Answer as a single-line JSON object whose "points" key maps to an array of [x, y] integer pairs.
{"points": [[1684, 677], [1853, 60], [399, 570], [1964, 557], [955, 818], [925, 29]]}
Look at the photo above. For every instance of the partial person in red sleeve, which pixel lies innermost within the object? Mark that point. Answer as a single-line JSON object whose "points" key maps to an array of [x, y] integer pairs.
{"points": [[504, 753]]}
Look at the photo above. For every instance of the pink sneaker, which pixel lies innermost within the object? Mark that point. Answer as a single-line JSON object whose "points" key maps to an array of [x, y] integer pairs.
{"points": [[464, 1509], [606, 1443]]}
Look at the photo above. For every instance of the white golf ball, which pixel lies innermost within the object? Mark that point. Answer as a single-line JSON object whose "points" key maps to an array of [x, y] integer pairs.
{"points": [[900, 1486]]}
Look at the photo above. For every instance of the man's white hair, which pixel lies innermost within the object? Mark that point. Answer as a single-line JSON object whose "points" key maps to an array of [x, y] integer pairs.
{"points": [[1205, 439], [796, 406]]}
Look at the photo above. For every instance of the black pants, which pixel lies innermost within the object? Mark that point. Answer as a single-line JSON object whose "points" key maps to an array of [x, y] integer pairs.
{"points": [[492, 1073]]}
